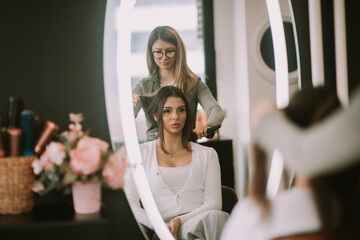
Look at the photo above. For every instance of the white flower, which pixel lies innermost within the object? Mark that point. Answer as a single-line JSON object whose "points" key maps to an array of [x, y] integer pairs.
{"points": [[37, 187], [76, 118], [56, 152], [37, 166]]}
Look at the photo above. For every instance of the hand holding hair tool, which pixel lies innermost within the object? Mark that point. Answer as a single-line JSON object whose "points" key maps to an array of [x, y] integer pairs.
{"points": [[211, 131]]}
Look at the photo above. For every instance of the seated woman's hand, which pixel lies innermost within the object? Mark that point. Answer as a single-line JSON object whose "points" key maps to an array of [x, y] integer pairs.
{"points": [[174, 226]]}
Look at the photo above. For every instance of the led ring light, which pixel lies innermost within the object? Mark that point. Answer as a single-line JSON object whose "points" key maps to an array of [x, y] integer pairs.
{"points": [[123, 24]]}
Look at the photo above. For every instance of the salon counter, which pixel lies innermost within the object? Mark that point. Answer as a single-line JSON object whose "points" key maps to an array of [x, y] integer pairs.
{"points": [[53, 218], [53, 222]]}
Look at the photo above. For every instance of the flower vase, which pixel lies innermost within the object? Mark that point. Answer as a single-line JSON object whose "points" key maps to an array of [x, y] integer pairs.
{"points": [[86, 196]]}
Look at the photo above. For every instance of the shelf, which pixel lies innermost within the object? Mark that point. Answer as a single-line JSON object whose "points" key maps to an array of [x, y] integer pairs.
{"points": [[54, 222]]}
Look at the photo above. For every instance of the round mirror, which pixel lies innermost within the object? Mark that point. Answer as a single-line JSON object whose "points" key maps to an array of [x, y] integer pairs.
{"points": [[267, 50], [262, 52]]}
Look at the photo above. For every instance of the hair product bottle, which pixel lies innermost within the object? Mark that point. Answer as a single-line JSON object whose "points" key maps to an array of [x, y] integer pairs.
{"points": [[27, 127], [14, 141], [2, 140], [14, 132], [47, 133]]}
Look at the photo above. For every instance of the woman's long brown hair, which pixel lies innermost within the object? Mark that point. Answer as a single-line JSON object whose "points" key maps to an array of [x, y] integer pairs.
{"points": [[155, 105]]}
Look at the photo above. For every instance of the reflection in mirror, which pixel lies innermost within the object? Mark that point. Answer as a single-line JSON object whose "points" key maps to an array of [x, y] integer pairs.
{"points": [[156, 13], [282, 88], [118, 141], [116, 75], [159, 13], [119, 135]]}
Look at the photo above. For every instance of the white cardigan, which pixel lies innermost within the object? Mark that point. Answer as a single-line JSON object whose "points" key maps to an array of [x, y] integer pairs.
{"points": [[201, 192]]}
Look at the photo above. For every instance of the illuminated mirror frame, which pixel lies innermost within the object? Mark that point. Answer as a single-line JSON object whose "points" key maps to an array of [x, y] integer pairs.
{"points": [[317, 62], [118, 21], [282, 87], [342, 85], [316, 43], [123, 15], [282, 92]]}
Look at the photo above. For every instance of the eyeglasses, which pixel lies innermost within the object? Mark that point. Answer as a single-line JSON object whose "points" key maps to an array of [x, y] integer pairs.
{"points": [[168, 53]]}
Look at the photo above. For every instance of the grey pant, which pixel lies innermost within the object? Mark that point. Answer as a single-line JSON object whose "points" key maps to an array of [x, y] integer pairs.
{"points": [[206, 226]]}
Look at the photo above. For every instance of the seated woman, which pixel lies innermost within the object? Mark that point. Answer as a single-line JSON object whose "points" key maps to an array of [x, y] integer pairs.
{"points": [[302, 208], [184, 176]]}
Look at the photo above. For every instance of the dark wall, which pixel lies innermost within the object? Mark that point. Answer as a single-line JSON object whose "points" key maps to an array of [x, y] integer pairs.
{"points": [[353, 39], [51, 58]]}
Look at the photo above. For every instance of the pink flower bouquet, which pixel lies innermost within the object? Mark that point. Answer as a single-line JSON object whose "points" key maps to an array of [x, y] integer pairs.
{"points": [[77, 156]]}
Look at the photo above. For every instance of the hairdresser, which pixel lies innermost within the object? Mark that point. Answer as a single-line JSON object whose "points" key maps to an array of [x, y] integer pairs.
{"points": [[334, 143], [324, 205], [166, 61]]}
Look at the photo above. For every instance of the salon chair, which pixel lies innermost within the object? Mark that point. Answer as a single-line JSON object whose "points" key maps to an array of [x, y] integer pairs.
{"points": [[229, 199]]}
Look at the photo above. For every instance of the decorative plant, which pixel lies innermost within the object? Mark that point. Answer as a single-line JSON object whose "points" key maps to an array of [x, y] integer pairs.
{"points": [[77, 156]]}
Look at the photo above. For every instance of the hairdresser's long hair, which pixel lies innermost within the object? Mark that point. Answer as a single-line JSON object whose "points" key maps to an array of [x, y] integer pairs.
{"points": [[305, 108], [156, 106], [338, 201], [185, 78]]}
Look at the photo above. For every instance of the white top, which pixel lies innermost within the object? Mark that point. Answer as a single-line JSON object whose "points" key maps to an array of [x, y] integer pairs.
{"points": [[172, 83], [292, 212], [175, 177], [201, 191]]}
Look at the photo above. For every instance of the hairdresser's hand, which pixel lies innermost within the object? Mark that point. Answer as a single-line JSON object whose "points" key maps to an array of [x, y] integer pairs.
{"points": [[135, 99], [261, 108], [201, 131], [174, 226]]}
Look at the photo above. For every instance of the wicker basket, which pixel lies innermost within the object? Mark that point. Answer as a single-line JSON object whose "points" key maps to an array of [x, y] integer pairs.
{"points": [[16, 180]]}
